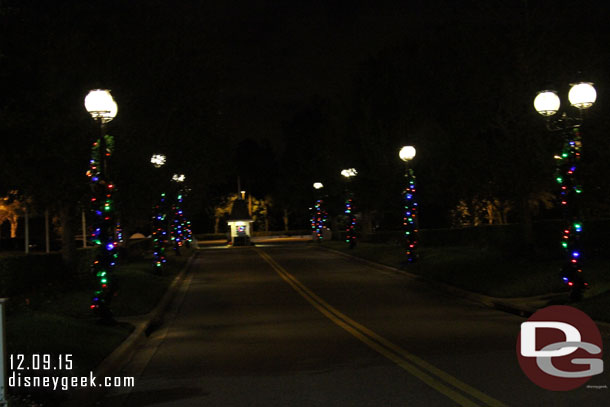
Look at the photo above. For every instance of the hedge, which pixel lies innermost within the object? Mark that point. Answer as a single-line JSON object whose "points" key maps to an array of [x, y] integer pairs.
{"points": [[546, 234], [21, 273]]}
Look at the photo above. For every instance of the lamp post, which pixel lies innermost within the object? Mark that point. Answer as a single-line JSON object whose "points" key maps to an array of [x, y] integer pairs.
{"points": [[350, 231], [581, 96], [406, 154], [159, 222], [319, 214], [102, 107]]}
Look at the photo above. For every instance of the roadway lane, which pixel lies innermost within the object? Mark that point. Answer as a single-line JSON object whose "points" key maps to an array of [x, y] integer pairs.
{"points": [[299, 326]]}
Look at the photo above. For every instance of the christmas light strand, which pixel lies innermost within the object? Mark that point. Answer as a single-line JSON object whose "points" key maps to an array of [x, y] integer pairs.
{"points": [[569, 194], [350, 231], [410, 217], [181, 234], [159, 233], [102, 232], [318, 220]]}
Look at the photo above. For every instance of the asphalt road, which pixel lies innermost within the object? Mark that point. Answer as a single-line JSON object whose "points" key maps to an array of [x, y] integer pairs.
{"points": [[299, 326]]}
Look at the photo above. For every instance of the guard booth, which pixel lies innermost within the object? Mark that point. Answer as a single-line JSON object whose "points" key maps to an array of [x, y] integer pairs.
{"points": [[240, 224]]}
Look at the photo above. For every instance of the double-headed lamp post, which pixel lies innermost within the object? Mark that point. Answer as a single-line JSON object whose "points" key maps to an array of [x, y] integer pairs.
{"points": [[350, 230], [318, 219], [581, 96], [406, 154], [158, 160], [102, 107]]}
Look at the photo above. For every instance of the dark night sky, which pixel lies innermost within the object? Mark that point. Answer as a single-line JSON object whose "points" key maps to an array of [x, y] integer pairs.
{"points": [[275, 55], [272, 56], [194, 78], [267, 57]]}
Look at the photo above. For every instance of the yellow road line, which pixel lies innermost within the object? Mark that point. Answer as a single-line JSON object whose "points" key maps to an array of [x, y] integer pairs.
{"points": [[388, 349]]}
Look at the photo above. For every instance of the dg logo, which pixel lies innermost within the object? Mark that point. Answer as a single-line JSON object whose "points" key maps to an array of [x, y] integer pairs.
{"points": [[560, 348]]}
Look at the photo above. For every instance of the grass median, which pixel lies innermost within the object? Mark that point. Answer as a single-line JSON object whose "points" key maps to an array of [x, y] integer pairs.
{"points": [[491, 272], [56, 320]]}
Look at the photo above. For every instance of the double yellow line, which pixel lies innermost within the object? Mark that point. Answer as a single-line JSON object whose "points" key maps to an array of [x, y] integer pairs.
{"points": [[437, 379]]}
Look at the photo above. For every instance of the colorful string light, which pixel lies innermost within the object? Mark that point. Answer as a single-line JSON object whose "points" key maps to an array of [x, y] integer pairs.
{"points": [[181, 233], [350, 231], [102, 233], [410, 217], [159, 233], [569, 197], [318, 219]]}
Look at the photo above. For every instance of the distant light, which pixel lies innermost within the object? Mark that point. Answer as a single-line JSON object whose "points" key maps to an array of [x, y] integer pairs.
{"points": [[178, 177], [158, 160], [582, 95], [547, 102], [349, 172], [100, 104], [318, 185], [407, 153]]}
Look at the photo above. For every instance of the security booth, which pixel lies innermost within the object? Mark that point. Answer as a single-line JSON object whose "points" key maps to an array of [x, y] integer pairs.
{"points": [[240, 224]]}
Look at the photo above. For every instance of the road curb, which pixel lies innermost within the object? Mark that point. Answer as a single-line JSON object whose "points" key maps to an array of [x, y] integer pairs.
{"points": [[511, 305], [124, 352]]}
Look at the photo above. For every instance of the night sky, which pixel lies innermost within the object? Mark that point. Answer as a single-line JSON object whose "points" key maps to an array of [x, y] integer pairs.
{"points": [[205, 81]]}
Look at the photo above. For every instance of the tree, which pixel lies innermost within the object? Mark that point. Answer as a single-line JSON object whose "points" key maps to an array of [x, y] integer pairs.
{"points": [[11, 209]]}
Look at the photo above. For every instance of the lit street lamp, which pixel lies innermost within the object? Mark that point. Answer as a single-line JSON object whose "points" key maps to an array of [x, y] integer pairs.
{"points": [[178, 177], [319, 215], [159, 222], [350, 231], [349, 172], [581, 96], [406, 154], [157, 160], [102, 107]]}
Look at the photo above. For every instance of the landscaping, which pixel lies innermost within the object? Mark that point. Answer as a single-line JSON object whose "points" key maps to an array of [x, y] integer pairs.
{"points": [[490, 271], [53, 316]]}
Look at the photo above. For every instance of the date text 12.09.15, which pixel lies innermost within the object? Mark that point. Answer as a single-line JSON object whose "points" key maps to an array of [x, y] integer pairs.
{"points": [[43, 362]]}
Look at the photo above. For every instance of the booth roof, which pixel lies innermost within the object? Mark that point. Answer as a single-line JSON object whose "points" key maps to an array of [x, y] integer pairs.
{"points": [[239, 211]]}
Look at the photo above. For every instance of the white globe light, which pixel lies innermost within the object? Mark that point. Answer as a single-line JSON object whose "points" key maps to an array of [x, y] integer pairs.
{"points": [[178, 177], [582, 95], [158, 160], [100, 104], [547, 102], [318, 185], [114, 109], [349, 172], [407, 153]]}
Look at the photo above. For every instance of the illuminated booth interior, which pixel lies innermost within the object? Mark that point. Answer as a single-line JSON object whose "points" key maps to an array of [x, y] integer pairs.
{"points": [[240, 224]]}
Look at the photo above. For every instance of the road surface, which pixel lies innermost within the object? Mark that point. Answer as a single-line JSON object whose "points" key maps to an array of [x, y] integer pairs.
{"points": [[296, 325]]}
